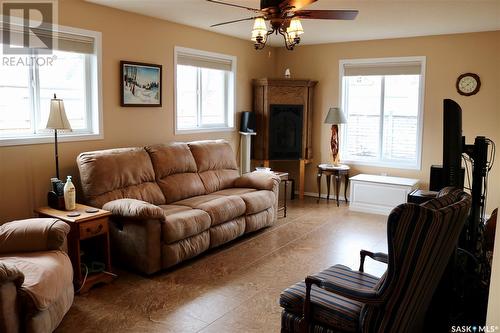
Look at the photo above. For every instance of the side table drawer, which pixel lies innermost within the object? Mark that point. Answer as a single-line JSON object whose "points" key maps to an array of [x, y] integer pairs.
{"points": [[93, 228]]}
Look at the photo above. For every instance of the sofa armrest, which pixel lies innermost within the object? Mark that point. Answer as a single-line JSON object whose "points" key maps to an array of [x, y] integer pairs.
{"points": [[132, 208], [10, 274], [37, 234], [258, 180], [10, 280]]}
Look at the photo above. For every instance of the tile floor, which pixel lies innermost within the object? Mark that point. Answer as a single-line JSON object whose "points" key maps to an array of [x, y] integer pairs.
{"points": [[234, 288]]}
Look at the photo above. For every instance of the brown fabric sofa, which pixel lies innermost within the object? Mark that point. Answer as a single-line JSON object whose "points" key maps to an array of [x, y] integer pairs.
{"points": [[174, 201], [36, 276]]}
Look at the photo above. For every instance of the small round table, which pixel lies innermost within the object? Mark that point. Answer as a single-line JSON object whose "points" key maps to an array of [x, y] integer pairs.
{"points": [[339, 172]]}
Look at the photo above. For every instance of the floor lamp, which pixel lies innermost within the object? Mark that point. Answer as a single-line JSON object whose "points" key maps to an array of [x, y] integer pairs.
{"points": [[57, 121], [335, 117]]}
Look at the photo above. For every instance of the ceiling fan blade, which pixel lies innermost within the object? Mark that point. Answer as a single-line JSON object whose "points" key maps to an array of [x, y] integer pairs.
{"points": [[326, 14], [296, 4], [234, 5], [234, 21]]}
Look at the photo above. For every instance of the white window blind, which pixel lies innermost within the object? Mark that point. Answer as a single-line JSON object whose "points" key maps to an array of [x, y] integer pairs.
{"points": [[204, 90], [200, 61], [62, 41], [380, 69], [382, 101]]}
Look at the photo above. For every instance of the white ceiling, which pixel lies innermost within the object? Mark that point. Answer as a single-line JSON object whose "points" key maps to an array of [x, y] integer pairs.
{"points": [[377, 19]]}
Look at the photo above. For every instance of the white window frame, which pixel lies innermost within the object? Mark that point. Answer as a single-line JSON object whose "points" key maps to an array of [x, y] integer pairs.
{"points": [[343, 97], [230, 88], [93, 96]]}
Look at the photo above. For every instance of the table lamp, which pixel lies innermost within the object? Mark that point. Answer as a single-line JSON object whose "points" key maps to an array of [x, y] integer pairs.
{"points": [[57, 121], [335, 117]]}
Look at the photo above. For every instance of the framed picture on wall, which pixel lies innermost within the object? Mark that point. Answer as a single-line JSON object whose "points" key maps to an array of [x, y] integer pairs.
{"points": [[140, 84]]}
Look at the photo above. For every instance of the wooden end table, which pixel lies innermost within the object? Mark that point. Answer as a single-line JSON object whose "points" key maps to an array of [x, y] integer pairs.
{"points": [[285, 180], [338, 172], [89, 236]]}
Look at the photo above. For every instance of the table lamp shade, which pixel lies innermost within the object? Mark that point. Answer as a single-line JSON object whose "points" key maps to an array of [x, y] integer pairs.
{"points": [[58, 122], [57, 117], [335, 116]]}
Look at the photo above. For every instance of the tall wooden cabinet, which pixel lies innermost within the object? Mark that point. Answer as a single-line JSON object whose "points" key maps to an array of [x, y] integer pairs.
{"points": [[283, 121]]}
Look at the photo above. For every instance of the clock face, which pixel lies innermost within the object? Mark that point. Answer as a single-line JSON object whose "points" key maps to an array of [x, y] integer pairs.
{"points": [[468, 84]]}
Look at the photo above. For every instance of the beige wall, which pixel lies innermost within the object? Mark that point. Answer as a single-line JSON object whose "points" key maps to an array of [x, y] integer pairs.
{"points": [[447, 57], [25, 171]]}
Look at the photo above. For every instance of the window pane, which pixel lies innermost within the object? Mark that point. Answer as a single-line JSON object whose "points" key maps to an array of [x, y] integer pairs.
{"points": [[213, 103], [363, 112], [187, 97], [15, 104], [401, 117], [66, 78]]}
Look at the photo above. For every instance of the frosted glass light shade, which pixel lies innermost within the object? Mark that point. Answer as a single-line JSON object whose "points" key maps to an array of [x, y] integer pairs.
{"points": [[57, 117], [295, 27], [259, 28]]}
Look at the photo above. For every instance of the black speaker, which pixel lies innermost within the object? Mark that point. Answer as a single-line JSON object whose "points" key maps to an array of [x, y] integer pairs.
{"points": [[247, 123], [438, 178]]}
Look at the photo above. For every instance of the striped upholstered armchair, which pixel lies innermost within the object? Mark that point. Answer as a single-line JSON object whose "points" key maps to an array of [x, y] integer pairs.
{"points": [[421, 240]]}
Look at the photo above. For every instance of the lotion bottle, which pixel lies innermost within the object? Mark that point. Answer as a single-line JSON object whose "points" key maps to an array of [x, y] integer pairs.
{"points": [[69, 195]]}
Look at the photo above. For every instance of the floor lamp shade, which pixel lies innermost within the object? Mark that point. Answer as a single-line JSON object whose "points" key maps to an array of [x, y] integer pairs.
{"points": [[57, 121], [335, 117]]}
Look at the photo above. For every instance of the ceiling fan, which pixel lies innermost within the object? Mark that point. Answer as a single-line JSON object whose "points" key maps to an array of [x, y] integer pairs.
{"points": [[284, 17]]}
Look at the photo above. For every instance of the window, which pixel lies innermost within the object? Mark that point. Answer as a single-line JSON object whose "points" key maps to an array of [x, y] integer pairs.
{"points": [[204, 90], [29, 81], [382, 100]]}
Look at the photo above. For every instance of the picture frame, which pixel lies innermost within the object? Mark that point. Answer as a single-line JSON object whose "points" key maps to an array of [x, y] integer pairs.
{"points": [[141, 84]]}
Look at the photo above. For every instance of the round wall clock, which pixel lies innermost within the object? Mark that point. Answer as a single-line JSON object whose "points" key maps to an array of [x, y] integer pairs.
{"points": [[468, 84]]}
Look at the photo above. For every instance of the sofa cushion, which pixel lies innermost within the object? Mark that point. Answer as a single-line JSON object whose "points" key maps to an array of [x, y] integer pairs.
{"points": [[213, 155], [216, 164], [224, 209], [254, 222], [49, 320], [258, 201], [194, 202], [176, 171], [227, 231], [328, 308], [172, 209], [174, 253], [112, 174], [234, 191], [183, 224], [46, 275]]}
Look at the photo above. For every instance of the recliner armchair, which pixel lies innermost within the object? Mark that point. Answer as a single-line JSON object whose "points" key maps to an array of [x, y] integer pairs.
{"points": [[36, 276], [421, 240]]}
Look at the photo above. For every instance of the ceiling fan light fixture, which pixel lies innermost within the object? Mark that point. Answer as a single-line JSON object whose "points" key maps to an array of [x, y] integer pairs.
{"points": [[295, 27], [259, 26], [284, 16], [258, 35]]}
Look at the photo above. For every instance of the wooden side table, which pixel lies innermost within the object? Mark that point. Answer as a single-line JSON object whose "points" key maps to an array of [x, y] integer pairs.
{"points": [[285, 180], [338, 172], [89, 237]]}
